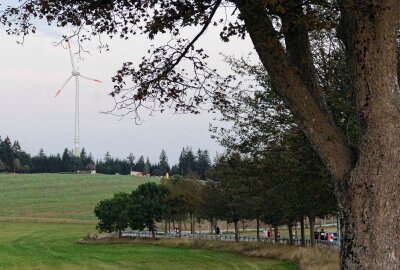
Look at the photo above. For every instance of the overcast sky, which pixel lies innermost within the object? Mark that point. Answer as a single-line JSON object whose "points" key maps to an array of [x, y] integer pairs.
{"points": [[31, 73]]}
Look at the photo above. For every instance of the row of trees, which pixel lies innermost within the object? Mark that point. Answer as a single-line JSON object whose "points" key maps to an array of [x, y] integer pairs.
{"points": [[270, 172], [237, 193], [140, 209], [282, 33], [14, 159]]}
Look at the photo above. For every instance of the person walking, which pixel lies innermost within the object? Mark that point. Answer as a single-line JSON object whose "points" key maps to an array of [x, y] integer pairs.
{"points": [[322, 234]]}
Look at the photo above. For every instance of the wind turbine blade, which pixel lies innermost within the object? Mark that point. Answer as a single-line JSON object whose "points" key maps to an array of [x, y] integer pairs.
{"points": [[62, 87], [71, 55], [91, 79]]}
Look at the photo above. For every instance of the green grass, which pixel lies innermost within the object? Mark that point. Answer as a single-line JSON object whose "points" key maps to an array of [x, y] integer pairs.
{"points": [[42, 216], [59, 196], [30, 245]]}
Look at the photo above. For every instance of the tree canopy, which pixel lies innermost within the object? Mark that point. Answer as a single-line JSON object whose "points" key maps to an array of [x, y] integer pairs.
{"points": [[281, 32]]}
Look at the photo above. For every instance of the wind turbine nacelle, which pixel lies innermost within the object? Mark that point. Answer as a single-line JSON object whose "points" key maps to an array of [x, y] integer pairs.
{"points": [[75, 73]]}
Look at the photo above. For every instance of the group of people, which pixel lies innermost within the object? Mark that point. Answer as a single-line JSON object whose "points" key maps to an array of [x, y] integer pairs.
{"points": [[268, 233], [322, 235]]}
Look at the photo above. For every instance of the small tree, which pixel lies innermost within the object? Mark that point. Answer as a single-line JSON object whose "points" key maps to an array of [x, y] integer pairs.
{"points": [[113, 214], [147, 206], [2, 166], [16, 165]]}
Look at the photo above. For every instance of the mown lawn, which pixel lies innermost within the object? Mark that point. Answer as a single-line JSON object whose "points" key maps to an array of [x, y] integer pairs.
{"points": [[30, 245], [42, 216], [59, 196]]}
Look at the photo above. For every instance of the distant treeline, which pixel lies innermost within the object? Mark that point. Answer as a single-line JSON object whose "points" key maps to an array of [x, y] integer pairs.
{"points": [[14, 159]]}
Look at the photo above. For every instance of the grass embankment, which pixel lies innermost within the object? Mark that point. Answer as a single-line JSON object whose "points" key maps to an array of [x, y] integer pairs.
{"points": [[307, 258], [59, 197], [28, 245]]}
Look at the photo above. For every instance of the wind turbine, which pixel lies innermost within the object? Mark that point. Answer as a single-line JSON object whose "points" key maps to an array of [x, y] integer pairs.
{"points": [[76, 74]]}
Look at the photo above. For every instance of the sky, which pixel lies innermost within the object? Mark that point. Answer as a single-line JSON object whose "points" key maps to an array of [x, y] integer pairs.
{"points": [[31, 73]]}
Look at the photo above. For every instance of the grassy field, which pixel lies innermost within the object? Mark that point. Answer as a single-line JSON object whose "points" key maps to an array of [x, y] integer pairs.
{"points": [[42, 216], [37, 245], [62, 197]]}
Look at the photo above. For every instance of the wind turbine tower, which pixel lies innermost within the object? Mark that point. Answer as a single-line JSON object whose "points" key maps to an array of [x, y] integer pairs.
{"points": [[76, 74]]}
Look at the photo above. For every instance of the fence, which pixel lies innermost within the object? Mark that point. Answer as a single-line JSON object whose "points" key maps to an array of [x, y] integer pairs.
{"points": [[229, 238]]}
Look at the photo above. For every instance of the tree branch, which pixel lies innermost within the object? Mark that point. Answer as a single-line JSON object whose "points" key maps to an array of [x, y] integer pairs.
{"points": [[316, 122]]}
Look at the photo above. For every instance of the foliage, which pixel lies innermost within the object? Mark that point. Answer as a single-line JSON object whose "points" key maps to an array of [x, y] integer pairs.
{"points": [[14, 159], [182, 200], [296, 182], [195, 166], [147, 206], [281, 32], [113, 213]]}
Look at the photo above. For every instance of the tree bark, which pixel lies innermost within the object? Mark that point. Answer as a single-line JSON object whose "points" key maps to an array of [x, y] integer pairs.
{"points": [[369, 198], [297, 87], [276, 230], [367, 186], [290, 229], [191, 223], [236, 223], [303, 242], [258, 228], [311, 220], [180, 228]]}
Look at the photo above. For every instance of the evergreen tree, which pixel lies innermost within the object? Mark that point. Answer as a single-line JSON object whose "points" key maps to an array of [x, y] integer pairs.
{"points": [[2, 166], [131, 161], [203, 163], [7, 153], [16, 148], [140, 165], [67, 161], [187, 161], [163, 165], [175, 170], [147, 166]]}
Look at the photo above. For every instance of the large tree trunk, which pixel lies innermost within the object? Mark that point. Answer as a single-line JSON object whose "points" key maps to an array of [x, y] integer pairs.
{"points": [[258, 228], [367, 186], [311, 220], [191, 223], [370, 197], [294, 75], [276, 238], [236, 223], [290, 229], [303, 242]]}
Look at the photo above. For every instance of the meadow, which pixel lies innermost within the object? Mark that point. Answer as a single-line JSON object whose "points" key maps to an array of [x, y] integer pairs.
{"points": [[43, 216], [37, 245], [60, 197]]}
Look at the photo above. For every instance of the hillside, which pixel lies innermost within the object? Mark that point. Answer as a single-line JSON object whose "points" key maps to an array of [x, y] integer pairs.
{"points": [[59, 197]]}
